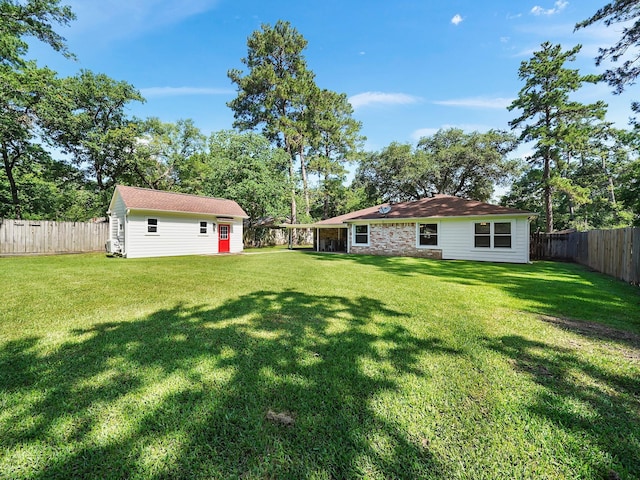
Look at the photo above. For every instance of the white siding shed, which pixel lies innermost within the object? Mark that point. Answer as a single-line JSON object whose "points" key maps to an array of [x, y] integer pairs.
{"points": [[153, 223]]}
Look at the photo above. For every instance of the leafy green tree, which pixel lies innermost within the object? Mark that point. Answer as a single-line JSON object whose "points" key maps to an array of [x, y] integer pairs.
{"points": [[31, 18], [163, 152], [274, 93], [23, 95], [450, 162], [556, 124], [335, 141], [245, 167], [91, 125], [468, 165], [614, 13], [393, 174], [25, 88]]}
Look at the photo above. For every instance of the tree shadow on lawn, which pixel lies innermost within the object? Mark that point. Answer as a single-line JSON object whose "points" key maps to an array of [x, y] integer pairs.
{"points": [[549, 288], [581, 398], [270, 385]]}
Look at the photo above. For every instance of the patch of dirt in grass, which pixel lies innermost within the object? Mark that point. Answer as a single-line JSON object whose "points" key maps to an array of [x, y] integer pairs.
{"points": [[600, 332], [282, 418]]}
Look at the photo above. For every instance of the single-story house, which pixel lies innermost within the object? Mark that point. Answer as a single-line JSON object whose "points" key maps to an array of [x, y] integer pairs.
{"points": [[154, 223], [441, 227]]}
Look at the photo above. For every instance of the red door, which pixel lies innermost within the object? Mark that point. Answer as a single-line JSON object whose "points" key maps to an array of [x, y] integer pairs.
{"points": [[223, 238]]}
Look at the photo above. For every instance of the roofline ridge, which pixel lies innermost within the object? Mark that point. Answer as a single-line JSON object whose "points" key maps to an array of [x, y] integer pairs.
{"points": [[176, 193]]}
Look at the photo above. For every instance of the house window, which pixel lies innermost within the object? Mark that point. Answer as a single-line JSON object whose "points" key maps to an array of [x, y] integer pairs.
{"points": [[500, 231], [203, 228], [482, 235], [427, 234], [361, 235], [502, 235], [152, 225]]}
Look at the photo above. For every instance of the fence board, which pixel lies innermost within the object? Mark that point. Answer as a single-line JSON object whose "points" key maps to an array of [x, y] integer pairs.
{"points": [[42, 236], [613, 252]]}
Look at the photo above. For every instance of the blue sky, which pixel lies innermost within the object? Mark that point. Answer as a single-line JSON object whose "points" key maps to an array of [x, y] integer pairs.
{"points": [[408, 67]]}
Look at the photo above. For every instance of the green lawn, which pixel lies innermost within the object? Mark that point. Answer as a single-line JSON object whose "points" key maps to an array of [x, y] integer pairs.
{"points": [[299, 365]]}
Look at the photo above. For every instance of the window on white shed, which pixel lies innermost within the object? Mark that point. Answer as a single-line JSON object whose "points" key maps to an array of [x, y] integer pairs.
{"points": [[152, 225], [203, 228]]}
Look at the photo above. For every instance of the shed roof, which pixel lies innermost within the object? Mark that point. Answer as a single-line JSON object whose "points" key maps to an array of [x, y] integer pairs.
{"points": [[436, 206], [136, 198]]}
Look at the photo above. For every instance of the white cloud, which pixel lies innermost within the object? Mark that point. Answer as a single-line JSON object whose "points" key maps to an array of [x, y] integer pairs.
{"points": [[477, 102], [180, 91], [108, 19], [457, 19], [381, 98], [557, 8]]}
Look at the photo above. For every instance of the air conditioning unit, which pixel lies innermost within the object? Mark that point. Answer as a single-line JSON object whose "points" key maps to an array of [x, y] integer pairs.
{"points": [[112, 247]]}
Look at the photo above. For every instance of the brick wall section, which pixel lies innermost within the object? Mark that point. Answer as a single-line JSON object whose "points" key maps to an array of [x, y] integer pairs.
{"points": [[395, 239]]}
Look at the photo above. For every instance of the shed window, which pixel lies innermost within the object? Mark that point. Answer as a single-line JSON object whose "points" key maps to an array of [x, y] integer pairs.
{"points": [[203, 228], [428, 234], [361, 235], [152, 225]]}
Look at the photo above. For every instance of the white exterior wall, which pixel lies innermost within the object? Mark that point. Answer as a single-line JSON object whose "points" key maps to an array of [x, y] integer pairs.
{"points": [[117, 222], [236, 244], [457, 241], [176, 235]]}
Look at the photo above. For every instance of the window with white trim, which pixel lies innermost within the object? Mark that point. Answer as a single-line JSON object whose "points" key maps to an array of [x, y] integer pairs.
{"points": [[502, 235], [482, 235], [427, 234], [492, 234], [203, 228], [361, 234], [152, 225]]}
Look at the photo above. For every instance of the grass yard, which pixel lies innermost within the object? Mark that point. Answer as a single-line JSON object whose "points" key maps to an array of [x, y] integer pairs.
{"points": [[300, 365]]}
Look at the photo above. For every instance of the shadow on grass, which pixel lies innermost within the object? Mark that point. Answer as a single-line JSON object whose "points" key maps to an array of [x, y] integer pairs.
{"points": [[549, 288], [604, 410], [271, 385]]}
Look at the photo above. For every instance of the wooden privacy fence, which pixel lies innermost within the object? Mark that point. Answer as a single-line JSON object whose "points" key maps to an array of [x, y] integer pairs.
{"points": [[27, 237], [613, 252]]}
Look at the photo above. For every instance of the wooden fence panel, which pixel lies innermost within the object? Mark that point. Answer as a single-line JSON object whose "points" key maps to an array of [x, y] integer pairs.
{"points": [[28, 237], [613, 252]]}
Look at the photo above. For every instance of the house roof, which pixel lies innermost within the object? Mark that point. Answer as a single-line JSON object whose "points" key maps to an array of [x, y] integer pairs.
{"points": [[136, 198], [436, 206]]}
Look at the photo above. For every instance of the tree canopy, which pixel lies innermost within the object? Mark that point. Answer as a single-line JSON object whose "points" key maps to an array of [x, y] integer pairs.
{"points": [[451, 162]]}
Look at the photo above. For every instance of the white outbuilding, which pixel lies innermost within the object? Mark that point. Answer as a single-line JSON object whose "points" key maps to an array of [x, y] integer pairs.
{"points": [[154, 223]]}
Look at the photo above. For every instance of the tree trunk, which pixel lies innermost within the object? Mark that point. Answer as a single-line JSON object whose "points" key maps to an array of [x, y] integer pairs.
{"points": [[305, 183], [8, 168], [548, 206], [292, 173], [325, 206]]}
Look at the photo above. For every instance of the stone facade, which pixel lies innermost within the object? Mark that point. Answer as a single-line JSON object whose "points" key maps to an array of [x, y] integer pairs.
{"points": [[394, 239]]}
